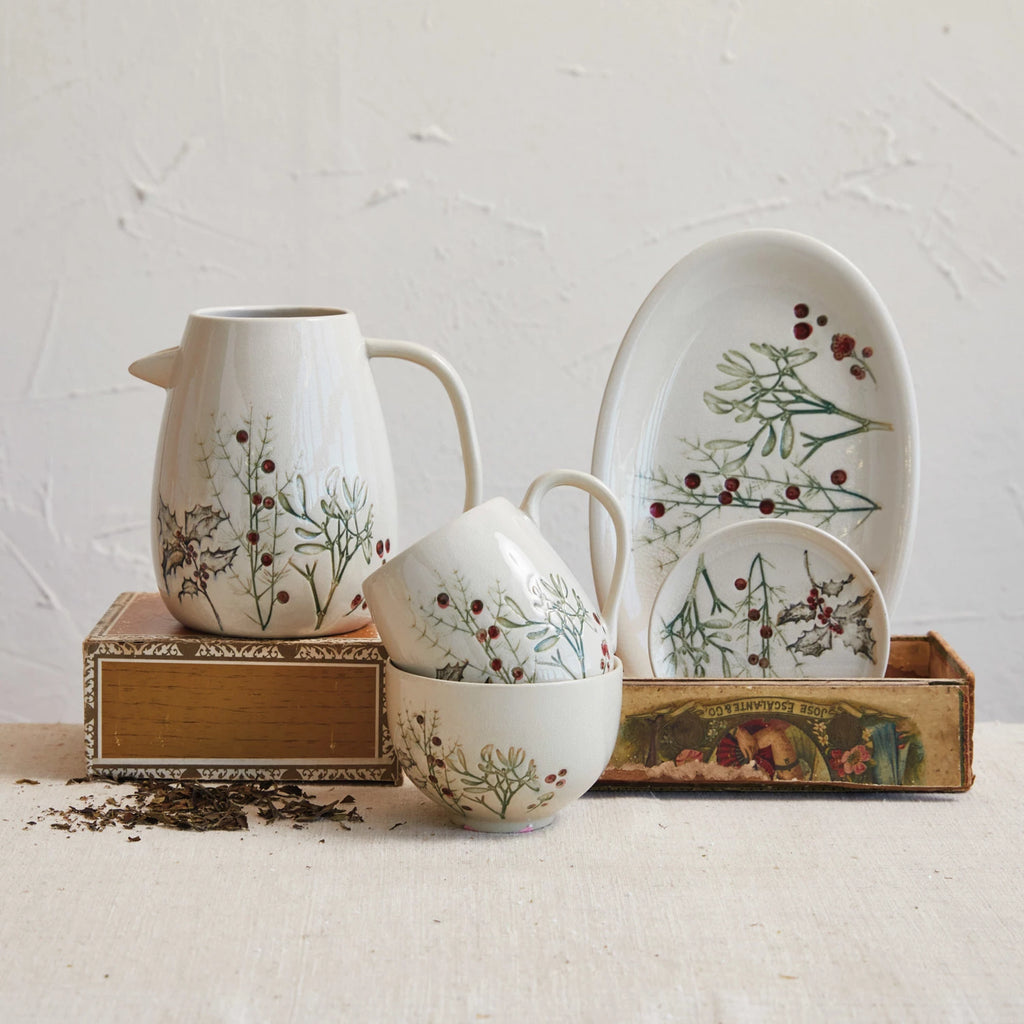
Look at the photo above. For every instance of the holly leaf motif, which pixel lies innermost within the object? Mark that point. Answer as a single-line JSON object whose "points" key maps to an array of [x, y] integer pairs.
{"points": [[174, 558], [201, 521], [814, 643], [219, 560], [833, 588], [857, 636], [802, 612], [166, 523], [853, 617], [188, 589]]}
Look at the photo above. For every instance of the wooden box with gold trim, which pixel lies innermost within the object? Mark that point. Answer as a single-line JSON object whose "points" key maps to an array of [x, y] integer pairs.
{"points": [[162, 701], [912, 730]]}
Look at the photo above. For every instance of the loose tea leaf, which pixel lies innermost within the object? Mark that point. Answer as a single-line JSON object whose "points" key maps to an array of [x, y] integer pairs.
{"points": [[196, 807]]}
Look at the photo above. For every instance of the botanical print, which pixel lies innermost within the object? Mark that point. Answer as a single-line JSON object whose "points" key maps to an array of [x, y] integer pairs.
{"points": [[769, 461], [765, 629], [254, 548], [245, 454], [191, 546], [440, 767], [507, 638], [343, 529], [771, 739]]}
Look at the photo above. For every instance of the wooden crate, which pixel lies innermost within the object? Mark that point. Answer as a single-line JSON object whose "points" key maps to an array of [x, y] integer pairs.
{"points": [[912, 730], [165, 702]]}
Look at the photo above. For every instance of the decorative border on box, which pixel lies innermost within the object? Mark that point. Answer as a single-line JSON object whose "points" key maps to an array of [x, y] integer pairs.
{"points": [[154, 647]]}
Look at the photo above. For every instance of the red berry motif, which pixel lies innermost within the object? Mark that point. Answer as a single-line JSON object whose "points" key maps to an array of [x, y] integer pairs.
{"points": [[740, 584], [282, 596], [482, 636], [550, 779], [767, 507], [242, 436], [267, 465], [752, 659], [380, 549], [387, 544], [843, 346], [657, 510], [252, 537], [766, 631], [800, 310], [496, 664], [357, 601], [763, 662], [692, 481], [858, 371], [517, 673], [476, 607], [822, 320], [838, 477], [268, 502], [443, 600], [266, 558], [493, 632], [732, 484], [436, 740], [257, 499], [792, 492], [802, 330], [754, 614], [725, 498], [867, 352]]}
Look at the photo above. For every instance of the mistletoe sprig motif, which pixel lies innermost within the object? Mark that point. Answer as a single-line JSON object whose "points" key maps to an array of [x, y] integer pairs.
{"points": [[696, 637], [782, 421], [770, 398], [342, 530], [190, 546], [506, 636], [442, 769]]}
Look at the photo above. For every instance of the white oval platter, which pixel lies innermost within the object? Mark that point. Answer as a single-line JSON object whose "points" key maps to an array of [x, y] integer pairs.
{"points": [[761, 378]]}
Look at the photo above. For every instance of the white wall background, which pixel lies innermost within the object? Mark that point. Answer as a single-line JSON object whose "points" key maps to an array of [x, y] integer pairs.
{"points": [[504, 182]]}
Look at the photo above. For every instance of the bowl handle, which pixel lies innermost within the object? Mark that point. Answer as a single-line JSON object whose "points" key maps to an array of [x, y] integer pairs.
{"points": [[601, 493]]}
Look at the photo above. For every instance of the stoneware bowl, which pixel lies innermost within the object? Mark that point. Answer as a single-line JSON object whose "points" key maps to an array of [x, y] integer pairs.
{"points": [[503, 758]]}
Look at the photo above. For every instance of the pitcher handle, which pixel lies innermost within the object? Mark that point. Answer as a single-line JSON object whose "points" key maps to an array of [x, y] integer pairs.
{"points": [[599, 491], [457, 394]]}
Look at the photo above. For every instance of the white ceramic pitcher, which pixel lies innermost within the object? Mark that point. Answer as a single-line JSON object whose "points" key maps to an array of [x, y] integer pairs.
{"points": [[274, 493]]}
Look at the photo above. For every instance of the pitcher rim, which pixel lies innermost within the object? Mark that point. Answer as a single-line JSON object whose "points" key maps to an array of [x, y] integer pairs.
{"points": [[272, 312]]}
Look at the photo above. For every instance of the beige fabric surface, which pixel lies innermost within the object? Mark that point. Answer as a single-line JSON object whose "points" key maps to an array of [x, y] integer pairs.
{"points": [[630, 907]]}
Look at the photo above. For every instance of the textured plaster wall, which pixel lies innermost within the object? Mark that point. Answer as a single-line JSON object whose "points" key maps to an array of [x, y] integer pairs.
{"points": [[504, 182]]}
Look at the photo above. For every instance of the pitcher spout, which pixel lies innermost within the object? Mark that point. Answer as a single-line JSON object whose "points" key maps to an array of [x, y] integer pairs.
{"points": [[157, 368]]}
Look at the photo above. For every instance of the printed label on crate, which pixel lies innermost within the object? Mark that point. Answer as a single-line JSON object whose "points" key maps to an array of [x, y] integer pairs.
{"points": [[829, 734]]}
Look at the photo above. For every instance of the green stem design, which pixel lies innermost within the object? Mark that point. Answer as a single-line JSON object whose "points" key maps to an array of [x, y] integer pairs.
{"points": [[249, 464], [686, 508], [692, 635], [345, 530], [499, 776], [759, 598], [774, 398]]}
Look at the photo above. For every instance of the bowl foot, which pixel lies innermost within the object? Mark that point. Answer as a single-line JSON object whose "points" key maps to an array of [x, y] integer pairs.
{"points": [[504, 826]]}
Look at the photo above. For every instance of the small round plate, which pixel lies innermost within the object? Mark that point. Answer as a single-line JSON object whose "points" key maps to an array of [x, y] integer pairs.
{"points": [[769, 599]]}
